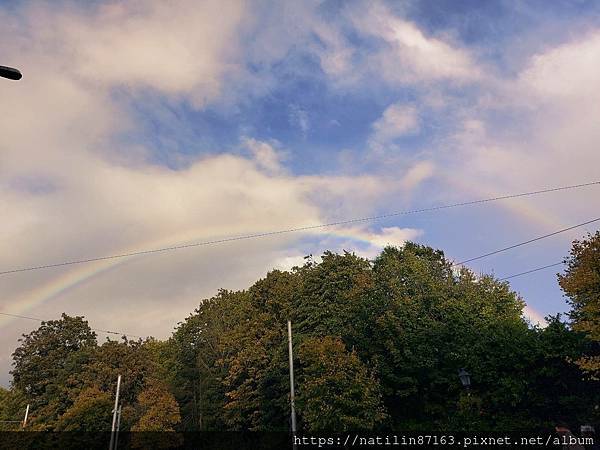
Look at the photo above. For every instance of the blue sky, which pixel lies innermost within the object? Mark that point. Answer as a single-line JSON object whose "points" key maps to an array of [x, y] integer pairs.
{"points": [[139, 124]]}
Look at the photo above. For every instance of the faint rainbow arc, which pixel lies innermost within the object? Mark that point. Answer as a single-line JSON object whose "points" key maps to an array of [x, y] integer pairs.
{"points": [[79, 275]]}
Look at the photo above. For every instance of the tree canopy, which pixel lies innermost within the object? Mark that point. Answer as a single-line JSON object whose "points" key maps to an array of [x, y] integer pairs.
{"points": [[581, 284], [378, 345]]}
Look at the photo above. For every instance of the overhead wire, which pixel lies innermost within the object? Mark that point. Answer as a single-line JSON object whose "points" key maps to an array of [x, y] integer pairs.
{"points": [[519, 244], [93, 329], [529, 241], [537, 269], [296, 229]]}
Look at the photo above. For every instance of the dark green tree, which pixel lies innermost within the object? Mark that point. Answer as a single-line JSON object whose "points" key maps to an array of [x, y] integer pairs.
{"points": [[130, 359], [336, 391], [378, 345], [91, 411], [12, 409], [46, 359], [558, 390], [581, 284], [199, 349], [158, 408]]}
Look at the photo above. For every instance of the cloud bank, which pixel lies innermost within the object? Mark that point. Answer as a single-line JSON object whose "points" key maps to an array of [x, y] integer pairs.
{"points": [[436, 122]]}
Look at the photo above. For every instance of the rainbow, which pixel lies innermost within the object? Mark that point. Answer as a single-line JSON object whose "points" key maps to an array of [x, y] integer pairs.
{"points": [[80, 274]]}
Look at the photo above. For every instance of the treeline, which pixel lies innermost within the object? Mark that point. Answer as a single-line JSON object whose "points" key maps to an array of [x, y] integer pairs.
{"points": [[378, 345]]}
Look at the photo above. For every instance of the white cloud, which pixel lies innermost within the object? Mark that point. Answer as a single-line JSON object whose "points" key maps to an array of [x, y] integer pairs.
{"points": [[549, 133], [407, 55], [358, 239], [418, 173], [396, 121], [389, 236], [569, 73], [181, 47], [72, 190], [335, 54], [266, 155]]}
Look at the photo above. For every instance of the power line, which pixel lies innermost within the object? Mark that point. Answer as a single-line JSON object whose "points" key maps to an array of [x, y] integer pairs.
{"points": [[298, 229], [531, 271], [529, 241], [133, 335], [537, 269], [136, 336], [453, 265], [93, 329]]}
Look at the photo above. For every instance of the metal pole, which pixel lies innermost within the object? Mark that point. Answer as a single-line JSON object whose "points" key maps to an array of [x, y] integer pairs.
{"points": [[118, 427], [114, 421], [26, 414], [292, 395]]}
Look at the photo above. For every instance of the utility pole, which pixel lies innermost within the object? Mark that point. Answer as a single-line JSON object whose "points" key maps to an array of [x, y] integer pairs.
{"points": [[118, 427], [114, 421], [26, 414], [292, 396]]}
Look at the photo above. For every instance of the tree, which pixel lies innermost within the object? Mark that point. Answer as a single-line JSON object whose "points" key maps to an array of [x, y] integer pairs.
{"points": [[199, 350], [336, 391], [581, 284], [378, 345], [133, 360], [254, 363], [47, 358], [12, 408], [557, 390], [158, 414], [91, 411], [332, 295], [431, 322], [158, 409]]}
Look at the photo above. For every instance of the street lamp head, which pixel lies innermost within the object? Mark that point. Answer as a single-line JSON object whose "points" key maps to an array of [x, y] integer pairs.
{"points": [[465, 378], [10, 73]]}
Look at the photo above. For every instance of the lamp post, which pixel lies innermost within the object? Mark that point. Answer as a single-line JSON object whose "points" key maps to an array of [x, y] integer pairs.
{"points": [[465, 379], [10, 73]]}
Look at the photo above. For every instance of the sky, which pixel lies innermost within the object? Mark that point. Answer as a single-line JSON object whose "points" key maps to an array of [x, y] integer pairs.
{"points": [[143, 124]]}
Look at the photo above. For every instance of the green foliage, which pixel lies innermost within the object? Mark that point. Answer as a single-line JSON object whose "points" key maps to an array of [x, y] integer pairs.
{"points": [[433, 322], [254, 357], [581, 284], [91, 411], [378, 346], [559, 392], [198, 351], [331, 295], [130, 359], [46, 359], [69, 380], [336, 390], [12, 409], [159, 410]]}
